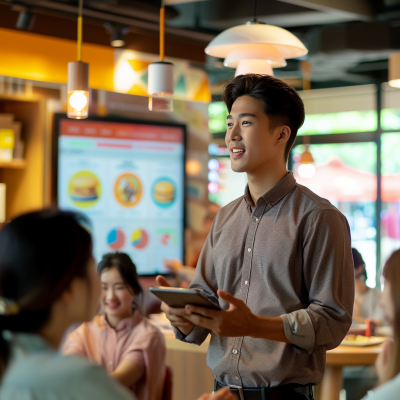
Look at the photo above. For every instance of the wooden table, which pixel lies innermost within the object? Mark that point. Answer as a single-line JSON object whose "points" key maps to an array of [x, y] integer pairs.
{"points": [[338, 358], [191, 376]]}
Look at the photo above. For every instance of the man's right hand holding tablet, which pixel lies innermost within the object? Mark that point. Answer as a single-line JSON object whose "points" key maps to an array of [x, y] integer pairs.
{"points": [[175, 315]]}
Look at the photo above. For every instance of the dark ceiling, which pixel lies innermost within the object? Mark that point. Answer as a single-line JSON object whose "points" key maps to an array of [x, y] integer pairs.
{"points": [[348, 40]]}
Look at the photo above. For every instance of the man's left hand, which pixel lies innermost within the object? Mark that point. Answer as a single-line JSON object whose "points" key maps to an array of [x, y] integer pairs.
{"points": [[237, 321]]}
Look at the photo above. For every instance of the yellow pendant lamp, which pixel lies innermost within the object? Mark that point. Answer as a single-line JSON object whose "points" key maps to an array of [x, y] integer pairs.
{"points": [[394, 70], [161, 76], [306, 167], [78, 80]]}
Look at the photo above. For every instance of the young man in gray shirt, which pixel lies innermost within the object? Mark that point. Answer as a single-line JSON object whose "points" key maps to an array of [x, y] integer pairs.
{"points": [[277, 260]]}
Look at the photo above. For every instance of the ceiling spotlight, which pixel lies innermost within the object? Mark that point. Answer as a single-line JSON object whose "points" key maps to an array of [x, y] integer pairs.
{"points": [[117, 33], [26, 18]]}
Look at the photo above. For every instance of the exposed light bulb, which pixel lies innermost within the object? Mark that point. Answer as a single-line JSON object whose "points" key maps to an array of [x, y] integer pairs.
{"points": [[78, 104], [306, 170], [78, 100]]}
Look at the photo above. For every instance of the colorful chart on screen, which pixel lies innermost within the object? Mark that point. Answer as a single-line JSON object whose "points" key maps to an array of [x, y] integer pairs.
{"points": [[116, 239], [139, 239], [84, 189], [128, 190], [164, 192]]}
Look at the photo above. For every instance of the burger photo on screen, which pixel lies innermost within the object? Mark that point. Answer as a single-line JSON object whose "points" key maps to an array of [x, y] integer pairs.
{"points": [[164, 192], [84, 188]]}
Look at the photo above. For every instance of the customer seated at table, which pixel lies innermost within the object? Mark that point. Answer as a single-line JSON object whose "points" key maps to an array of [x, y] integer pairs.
{"points": [[388, 362], [366, 301], [121, 339], [358, 380], [48, 281]]}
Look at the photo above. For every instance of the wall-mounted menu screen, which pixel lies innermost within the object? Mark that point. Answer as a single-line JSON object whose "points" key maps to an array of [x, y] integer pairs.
{"points": [[128, 178]]}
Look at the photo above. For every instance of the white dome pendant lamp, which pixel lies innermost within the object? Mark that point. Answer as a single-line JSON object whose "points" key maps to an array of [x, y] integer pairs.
{"points": [[78, 80], [160, 85], [255, 47]]}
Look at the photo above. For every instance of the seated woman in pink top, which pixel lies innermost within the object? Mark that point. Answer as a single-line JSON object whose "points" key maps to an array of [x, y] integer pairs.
{"points": [[121, 339]]}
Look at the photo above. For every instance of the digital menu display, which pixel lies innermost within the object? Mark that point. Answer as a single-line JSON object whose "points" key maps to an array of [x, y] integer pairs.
{"points": [[128, 178]]}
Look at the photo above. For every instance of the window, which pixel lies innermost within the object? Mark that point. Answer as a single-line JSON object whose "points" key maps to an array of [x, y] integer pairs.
{"points": [[390, 215], [345, 175]]}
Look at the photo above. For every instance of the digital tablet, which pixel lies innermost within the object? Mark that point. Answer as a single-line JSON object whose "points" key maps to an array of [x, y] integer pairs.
{"points": [[179, 298]]}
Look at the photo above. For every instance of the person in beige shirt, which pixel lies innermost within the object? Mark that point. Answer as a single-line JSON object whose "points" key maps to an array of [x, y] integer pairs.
{"points": [[277, 260]]}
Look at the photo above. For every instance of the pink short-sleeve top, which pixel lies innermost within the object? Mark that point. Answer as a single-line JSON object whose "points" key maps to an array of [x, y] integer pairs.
{"points": [[135, 339]]}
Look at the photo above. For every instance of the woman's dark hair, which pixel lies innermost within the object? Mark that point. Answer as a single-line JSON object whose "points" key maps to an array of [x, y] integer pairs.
{"points": [[358, 261], [40, 254], [282, 104], [127, 269]]}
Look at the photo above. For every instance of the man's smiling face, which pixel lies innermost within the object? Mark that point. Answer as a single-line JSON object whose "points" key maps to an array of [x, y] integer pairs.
{"points": [[249, 137]]}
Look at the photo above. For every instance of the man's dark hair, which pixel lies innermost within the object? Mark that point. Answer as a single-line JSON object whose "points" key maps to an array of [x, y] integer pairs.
{"points": [[282, 104]]}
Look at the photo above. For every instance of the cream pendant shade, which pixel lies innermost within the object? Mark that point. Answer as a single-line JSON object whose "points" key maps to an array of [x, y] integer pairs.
{"points": [[284, 41], [255, 41]]}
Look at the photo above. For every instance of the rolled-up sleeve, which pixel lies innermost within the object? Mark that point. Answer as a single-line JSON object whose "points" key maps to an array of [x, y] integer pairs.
{"points": [[329, 277], [299, 329]]}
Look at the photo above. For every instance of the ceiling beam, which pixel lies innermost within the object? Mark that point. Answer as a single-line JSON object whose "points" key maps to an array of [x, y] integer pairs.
{"points": [[358, 9], [120, 19]]}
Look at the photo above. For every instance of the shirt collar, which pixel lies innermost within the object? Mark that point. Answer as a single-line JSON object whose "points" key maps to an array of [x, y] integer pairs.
{"points": [[29, 341], [129, 322], [281, 189]]}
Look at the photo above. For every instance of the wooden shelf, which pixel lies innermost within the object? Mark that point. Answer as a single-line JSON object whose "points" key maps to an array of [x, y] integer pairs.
{"points": [[16, 164]]}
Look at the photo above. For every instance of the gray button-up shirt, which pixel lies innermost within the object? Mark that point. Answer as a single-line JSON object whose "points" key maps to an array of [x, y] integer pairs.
{"points": [[289, 255]]}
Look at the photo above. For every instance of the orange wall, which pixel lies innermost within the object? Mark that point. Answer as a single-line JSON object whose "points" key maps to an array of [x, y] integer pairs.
{"points": [[42, 58]]}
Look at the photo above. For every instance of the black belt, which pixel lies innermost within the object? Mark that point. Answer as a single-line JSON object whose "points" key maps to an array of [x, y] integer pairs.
{"points": [[265, 393]]}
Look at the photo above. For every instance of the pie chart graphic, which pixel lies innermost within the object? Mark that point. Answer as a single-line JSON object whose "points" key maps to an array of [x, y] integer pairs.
{"points": [[139, 239], [116, 239]]}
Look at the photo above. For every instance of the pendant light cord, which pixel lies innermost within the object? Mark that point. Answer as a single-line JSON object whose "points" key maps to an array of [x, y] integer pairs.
{"points": [[162, 32], [255, 10], [80, 30]]}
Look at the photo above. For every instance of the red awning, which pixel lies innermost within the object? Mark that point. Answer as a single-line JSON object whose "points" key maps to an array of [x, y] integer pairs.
{"points": [[337, 181]]}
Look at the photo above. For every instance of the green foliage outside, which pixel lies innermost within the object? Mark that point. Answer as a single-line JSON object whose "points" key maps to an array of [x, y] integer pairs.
{"points": [[391, 153], [217, 113], [341, 122], [390, 119]]}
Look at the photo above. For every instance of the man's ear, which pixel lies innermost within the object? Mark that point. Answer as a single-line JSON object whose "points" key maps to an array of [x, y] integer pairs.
{"points": [[284, 134]]}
